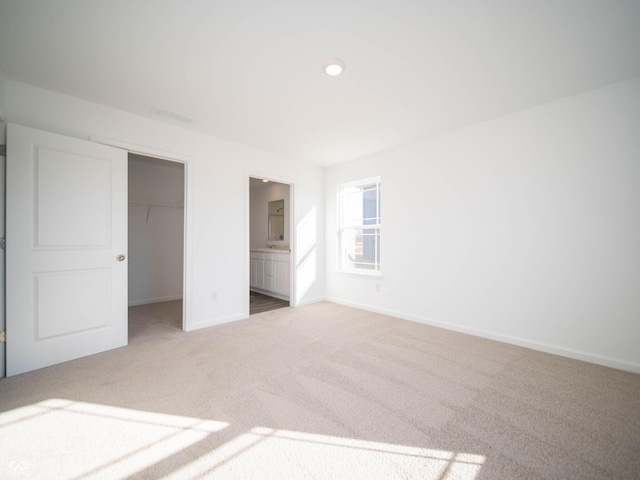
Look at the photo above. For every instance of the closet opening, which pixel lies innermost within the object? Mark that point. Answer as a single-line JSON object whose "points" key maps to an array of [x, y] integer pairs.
{"points": [[156, 237]]}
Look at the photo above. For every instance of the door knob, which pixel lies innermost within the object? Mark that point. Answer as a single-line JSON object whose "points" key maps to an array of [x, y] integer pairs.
{"points": [[120, 258]]}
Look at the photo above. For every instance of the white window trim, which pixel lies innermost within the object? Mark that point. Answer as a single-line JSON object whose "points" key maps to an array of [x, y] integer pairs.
{"points": [[339, 237]]}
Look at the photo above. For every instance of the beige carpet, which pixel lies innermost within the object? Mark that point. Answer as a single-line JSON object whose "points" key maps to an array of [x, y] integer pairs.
{"points": [[318, 392]]}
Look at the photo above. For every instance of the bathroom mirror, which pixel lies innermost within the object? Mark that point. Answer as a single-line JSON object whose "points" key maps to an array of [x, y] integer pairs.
{"points": [[276, 220]]}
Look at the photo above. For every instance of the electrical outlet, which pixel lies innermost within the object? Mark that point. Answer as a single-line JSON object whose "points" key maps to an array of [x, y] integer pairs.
{"points": [[214, 296], [378, 287]]}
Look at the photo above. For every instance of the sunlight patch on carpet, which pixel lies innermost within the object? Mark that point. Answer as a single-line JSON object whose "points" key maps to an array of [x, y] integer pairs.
{"points": [[67, 439], [283, 454], [77, 440]]}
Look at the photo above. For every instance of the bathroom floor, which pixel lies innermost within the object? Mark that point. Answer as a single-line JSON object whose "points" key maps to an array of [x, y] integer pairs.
{"points": [[263, 303]]}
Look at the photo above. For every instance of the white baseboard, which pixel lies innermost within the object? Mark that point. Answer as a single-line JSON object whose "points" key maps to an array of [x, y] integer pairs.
{"points": [[135, 303], [236, 317], [216, 321], [521, 342], [309, 301]]}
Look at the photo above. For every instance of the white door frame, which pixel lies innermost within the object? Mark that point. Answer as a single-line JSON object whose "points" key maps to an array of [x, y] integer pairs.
{"points": [[293, 298], [186, 254], [3, 162]]}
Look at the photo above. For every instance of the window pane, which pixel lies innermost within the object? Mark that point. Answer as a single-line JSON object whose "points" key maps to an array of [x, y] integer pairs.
{"points": [[359, 240], [352, 207], [370, 207], [361, 248]]}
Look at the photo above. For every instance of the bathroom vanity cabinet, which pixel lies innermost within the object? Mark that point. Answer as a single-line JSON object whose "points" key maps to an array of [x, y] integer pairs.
{"points": [[269, 273]]}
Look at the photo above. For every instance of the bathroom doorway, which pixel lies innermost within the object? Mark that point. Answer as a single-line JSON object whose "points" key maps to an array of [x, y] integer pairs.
{"points": [[270, 244]]}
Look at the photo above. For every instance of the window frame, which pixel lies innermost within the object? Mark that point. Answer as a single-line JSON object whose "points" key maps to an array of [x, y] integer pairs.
{"points": [[344, 227]]}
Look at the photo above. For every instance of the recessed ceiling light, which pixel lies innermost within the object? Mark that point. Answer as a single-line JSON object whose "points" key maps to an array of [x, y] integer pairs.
{"points": [[265, 180], [334, 67]]}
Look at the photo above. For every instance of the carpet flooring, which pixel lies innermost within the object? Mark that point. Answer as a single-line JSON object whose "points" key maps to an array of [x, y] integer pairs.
{"points": [[322, 391]]}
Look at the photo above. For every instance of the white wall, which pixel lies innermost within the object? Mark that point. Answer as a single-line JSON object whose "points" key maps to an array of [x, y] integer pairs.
{"points": [[155, 232], [217, 199], [261, 195], [525, 228]]}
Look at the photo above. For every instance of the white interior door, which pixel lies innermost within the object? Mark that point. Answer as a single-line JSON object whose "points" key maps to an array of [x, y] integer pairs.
{"points": [[66, 265]]}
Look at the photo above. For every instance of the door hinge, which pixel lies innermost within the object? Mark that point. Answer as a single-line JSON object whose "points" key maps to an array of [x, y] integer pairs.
{"points": [[3, 150], [3, 337], [3, 243]]}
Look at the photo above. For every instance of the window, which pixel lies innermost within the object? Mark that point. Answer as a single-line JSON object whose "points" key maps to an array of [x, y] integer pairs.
{"points": [[359, 226]]}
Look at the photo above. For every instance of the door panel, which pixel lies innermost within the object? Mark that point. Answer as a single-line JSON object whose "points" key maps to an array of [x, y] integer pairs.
{"points": [[66, 226], [61, 220], [59, 309]]}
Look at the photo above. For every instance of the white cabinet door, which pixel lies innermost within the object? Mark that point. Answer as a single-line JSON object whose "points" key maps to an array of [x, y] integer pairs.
{"points": [[268, 280], [268, 272], [259, 273], [66, 246], [281, 278], [253, 272], [268, 266]]}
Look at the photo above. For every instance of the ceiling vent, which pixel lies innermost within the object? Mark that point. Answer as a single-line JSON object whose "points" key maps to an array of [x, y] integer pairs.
{"points": [[171, 115]]}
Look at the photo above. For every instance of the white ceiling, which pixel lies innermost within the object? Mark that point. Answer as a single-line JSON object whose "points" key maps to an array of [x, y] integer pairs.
{"points": [[249, 71]]}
